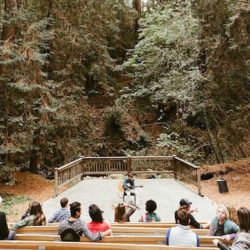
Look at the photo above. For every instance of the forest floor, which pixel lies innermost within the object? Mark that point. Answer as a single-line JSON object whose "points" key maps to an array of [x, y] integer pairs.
{"points": [[35, 187]]}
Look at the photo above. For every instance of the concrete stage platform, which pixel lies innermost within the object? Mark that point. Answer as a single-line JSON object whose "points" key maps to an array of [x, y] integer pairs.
{"points": [[103, 192]]}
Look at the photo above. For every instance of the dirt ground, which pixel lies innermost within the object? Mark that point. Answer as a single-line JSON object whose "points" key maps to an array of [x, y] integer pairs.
{"points": [[31, 187], [36, 187], [238, 181]]}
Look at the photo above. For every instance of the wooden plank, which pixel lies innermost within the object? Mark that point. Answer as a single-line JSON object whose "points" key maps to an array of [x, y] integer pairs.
{"points": [[115, 230], [58, 245], [155, 240]]}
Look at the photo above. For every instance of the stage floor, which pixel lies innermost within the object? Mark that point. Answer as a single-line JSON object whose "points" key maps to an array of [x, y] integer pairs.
{"points": [[104, 192]]}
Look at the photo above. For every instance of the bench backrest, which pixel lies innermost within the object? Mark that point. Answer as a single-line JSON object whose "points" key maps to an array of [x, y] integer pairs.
{"points": [[115, 230], [57, 245], [155, 240]]}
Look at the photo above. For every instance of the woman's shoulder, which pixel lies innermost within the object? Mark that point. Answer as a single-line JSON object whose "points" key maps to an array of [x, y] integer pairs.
{"points": [[230, 223]]}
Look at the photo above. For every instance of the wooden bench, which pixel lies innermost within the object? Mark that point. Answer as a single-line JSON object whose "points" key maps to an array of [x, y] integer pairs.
{"points": [[154, 240], [116, 230], [57, 245], [144, 224], [137, 224]]}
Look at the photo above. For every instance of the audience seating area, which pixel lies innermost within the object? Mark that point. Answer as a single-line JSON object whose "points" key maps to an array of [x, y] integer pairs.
{"points": [[136, 236]]}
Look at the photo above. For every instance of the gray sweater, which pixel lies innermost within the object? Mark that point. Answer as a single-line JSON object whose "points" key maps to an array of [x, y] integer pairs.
{"points": [[241, 242], [80, 228]]}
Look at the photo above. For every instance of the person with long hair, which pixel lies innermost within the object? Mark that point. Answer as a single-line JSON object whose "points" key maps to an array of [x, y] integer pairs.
{"points": [[186, 205], [232, 214], [35, 218], [242, 239], [97, 224], [123, 212], [222, 225]]}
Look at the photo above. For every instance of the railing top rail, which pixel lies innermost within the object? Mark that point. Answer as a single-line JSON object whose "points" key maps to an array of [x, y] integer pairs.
{"points": [[152, 157], [70, 164], [104, 158], [186, 162], [113, 158]]}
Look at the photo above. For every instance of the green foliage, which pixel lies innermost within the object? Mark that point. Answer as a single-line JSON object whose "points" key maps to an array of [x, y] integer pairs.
{"points": [[114, 121], [163, 64], [54, 56]]}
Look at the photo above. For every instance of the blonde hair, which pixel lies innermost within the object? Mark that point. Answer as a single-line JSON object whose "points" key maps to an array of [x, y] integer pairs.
{"points": [[225, 210]]}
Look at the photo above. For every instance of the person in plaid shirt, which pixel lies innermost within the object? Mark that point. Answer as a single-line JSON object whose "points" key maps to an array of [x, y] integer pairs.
{"points": [[63, 213]]}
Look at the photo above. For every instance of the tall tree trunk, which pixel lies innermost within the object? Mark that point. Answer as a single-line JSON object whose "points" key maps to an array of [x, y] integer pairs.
{"points": [[138, 7], [36, 141]]}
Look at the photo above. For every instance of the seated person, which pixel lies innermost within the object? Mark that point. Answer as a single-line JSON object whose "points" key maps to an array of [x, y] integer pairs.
{"points": [[185, 204], [98, 224], [221, 225], [5, 233], [129, 186], [123, 212], [150, 216], [182, 235], [63, 213], [78, 226], [242, 239], [35, 218]]}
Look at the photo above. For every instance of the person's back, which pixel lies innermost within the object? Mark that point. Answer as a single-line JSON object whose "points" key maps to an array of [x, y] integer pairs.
{"points": [[4, 231], [74, 222], [97, 224], [123, 212], [36, 217], [186, 204], [150, 216], [182, 235], [61, 214]]}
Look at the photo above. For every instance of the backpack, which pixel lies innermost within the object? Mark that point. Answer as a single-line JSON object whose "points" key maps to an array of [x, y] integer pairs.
{"points": [[70, 234]]}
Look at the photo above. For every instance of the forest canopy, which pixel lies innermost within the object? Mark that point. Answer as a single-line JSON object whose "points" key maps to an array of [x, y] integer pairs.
{"points": [[120, 77]]}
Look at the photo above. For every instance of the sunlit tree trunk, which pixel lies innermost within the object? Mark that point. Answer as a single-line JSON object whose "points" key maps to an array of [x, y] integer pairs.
{"points": [[138, 7]]}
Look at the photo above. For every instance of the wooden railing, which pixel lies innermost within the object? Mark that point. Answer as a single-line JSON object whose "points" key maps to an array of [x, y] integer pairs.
{"points": [[181, 169]]}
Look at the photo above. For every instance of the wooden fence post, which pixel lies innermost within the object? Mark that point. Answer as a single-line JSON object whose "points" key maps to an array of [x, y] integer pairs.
{"points": [[56, 182], [129, 163], [174, 167], [198, 173]]}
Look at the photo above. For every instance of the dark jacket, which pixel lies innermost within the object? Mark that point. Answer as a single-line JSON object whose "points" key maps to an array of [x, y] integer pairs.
{"points": [[4, 231], [241, 242], [192, 222]]}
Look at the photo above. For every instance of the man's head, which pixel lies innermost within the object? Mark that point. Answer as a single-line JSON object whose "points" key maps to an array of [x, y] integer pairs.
{"points": [[150, 206], [130, 176], [75, 209], [64, 202], [183, 217]]}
